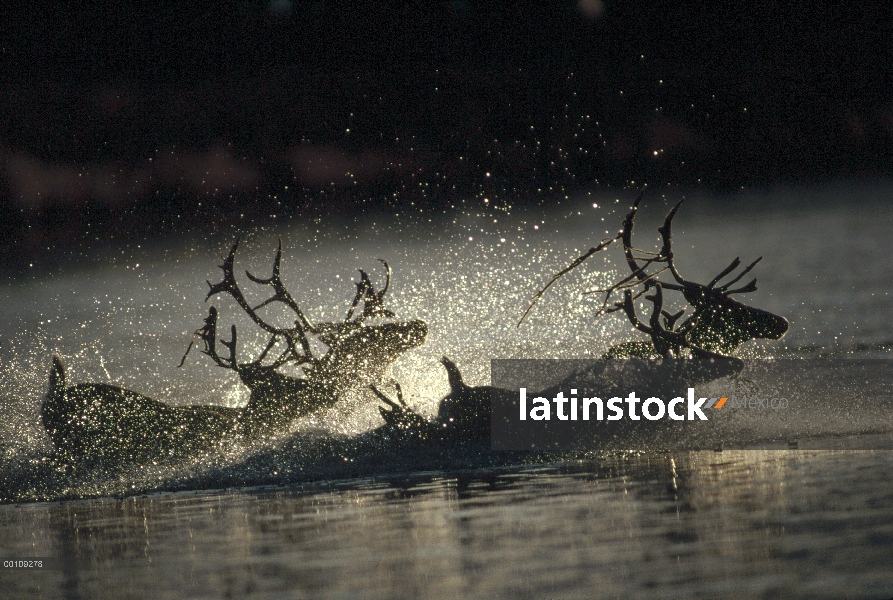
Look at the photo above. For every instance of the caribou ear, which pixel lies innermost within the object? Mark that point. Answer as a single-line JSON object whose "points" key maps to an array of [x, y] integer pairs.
{"points": [[457, 385], [57, 379]]}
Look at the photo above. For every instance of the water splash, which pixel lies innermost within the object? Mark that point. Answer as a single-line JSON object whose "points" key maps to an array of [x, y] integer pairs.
{"points": [[130, 326]]}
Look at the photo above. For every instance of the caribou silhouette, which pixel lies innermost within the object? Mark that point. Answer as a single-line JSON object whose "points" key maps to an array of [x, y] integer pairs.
{"points": [[107, 423], [718, 324], [716, 328], [463, 415]]}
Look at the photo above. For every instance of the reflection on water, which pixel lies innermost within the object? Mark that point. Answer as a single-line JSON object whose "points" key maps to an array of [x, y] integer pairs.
{"points": [[771, 524]]}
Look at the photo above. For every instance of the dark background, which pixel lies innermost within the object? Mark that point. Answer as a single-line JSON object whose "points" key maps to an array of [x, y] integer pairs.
{"points": [[128, 120]]}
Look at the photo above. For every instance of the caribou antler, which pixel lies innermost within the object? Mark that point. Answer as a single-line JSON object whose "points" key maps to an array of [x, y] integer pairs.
{"points": [[298, 349], [580, 259], [208, 335], [400, 419], [667, 255], [292, 336], [667, 341], [717, 323], [373, 302]]}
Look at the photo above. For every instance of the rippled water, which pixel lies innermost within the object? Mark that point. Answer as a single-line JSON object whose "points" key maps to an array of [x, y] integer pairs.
{"points": [[794, 523], [770, 524]]}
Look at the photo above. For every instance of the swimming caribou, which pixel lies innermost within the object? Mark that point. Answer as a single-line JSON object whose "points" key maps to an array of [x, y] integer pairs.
{"points": [[716, 328], [110, 424], [718, 324]]}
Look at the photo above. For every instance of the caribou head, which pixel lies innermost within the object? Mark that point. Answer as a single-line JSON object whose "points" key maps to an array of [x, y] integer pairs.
{"points": [[358, 353], [111, 424], [718, 323]]}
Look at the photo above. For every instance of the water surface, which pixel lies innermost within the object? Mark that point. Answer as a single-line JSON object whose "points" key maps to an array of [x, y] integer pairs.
{"points": [[756, 523]]}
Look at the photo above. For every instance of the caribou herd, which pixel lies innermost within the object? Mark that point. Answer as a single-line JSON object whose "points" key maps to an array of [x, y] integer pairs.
{"points": [[107, 423]]}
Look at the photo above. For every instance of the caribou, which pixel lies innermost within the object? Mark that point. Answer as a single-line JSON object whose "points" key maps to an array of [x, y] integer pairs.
{"points": [[714, 331], [107, 423], [462, 415], [718, 324]]}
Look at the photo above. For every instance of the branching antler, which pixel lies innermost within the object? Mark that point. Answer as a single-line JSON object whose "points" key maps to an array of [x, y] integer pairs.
{"points": [[580, 259], [667, 340], [298, 349], [208, 335], [400, 416], [373, 302], [293, 336], [665, 256], [718, 322]]}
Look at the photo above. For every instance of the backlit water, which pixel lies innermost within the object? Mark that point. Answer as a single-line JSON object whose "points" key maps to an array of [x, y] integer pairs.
{"points": [[753, 523]]}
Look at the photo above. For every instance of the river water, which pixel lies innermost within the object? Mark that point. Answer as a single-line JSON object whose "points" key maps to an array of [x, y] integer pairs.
{"points": [[280, 523]]}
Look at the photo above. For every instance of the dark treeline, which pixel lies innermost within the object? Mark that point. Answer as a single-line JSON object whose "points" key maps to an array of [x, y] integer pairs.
{"points": [[158, 117]]}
